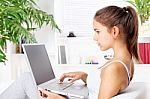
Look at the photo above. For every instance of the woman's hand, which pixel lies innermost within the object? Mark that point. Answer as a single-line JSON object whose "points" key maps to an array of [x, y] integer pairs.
{"points": [[74, 76], [49, 95]]}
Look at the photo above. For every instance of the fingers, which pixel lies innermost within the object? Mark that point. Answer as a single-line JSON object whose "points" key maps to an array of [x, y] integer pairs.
{"points": [[43, 93], [42, 97], [72, 80], [39, 91], [73, 75], [65, 75], [62, 77]]}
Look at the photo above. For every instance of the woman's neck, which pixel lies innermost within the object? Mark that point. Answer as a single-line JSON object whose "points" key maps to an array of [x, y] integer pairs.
{"points": [[121, 52]]}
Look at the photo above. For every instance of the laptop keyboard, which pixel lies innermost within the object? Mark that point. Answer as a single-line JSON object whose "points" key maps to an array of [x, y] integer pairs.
{"points": [[57, 85], [64, 85]]}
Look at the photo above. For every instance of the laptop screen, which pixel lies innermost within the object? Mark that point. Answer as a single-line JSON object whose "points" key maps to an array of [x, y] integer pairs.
{"points": [[39, 63]]}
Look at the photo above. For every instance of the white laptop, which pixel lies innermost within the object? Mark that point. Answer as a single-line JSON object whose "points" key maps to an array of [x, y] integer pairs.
{"points": [[44, 76]]}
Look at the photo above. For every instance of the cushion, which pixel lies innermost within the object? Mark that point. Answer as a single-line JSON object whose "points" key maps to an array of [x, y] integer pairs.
{"points": [[136, 90]]}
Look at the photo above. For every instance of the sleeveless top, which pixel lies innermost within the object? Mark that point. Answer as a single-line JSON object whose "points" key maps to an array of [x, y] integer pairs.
{"points": [[94, 80]]}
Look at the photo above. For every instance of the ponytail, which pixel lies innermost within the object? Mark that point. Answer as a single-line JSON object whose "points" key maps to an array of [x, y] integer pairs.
{"points": [[133, 34]]}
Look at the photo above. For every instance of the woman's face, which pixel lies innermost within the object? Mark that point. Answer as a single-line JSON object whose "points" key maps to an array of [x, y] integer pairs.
{"points": [[102, 36]]}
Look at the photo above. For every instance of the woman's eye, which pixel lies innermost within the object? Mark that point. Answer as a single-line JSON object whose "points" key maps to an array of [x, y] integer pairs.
{"points": [[97, 32]]}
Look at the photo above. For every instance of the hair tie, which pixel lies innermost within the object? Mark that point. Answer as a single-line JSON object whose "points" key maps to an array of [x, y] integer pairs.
{"points": [[125, 9]]}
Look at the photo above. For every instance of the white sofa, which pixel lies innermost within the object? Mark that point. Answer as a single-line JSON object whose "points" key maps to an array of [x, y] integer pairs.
{"points": [[136, 90], [139, 88]]}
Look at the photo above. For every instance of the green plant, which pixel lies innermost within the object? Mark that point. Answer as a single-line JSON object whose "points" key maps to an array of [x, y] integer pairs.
{"points": [[143, 8], [18, 19]]}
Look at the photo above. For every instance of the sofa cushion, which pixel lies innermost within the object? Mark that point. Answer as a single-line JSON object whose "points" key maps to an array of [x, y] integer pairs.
{"points": [[136, 90]]}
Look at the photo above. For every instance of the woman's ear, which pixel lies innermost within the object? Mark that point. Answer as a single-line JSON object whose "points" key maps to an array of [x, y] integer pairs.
{"points": [[115, 32]]}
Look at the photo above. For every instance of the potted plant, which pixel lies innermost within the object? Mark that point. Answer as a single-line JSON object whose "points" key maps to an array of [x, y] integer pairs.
{"points": [[18, 19], [143, 9]]}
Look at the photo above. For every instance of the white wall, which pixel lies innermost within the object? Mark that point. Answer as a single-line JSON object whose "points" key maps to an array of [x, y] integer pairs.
{"points": [[46, 35], [58, 12], [78, 14]]}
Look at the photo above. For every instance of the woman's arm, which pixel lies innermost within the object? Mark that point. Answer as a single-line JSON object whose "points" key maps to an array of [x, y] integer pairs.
{"points": [[113, 79]]}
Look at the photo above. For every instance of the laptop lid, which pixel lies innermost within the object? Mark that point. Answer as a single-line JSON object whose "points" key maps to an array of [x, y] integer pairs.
{"points": [[39, 62]]}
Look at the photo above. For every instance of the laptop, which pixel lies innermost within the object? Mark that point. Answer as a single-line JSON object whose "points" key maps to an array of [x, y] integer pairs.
{"points": [[44, 76]]}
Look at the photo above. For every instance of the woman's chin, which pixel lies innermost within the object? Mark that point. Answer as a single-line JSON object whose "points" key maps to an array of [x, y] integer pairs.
{"points": [[102, 48]]}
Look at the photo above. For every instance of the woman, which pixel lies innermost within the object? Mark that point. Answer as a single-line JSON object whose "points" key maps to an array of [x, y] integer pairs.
{"points": [[115, 28]]}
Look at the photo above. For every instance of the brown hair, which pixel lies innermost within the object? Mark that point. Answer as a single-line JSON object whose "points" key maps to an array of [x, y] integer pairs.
{"points": [[126, 20]]}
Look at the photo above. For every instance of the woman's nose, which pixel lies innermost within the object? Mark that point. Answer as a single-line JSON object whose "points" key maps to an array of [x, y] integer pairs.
{"points": [[94, 38]]}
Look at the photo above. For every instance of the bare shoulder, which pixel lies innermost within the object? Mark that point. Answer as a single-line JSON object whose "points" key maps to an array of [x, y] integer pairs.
{"points": [[113, 80], [115, 68], [116, 73]]}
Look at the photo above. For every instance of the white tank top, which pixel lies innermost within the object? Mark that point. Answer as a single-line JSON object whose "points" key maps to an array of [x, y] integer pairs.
{"points": [[94, 80]]}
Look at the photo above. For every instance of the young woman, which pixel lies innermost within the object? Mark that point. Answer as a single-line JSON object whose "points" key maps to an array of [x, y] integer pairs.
{"points": [[115, 28]]}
